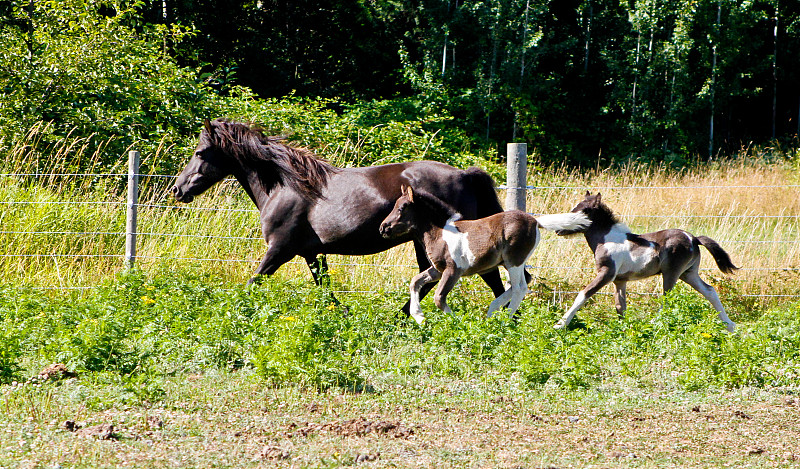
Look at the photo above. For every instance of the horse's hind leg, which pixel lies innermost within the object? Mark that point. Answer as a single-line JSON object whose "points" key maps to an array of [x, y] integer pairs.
{"points": [[492, 278], [619, 297], [693, 279], [519, 288], [318, 265], [499, 302]]}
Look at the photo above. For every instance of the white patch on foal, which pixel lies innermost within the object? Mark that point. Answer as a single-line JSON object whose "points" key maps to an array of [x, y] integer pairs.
{"points": [[457, 244], [620, 250]]}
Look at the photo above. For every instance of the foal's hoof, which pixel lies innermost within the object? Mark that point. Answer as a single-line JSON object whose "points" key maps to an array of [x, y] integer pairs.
{"points": [[730, 327], [561, 324]]}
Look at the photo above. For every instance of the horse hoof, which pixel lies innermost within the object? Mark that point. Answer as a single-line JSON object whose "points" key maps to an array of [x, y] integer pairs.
{"points": [[731, 327], [560, 325]]}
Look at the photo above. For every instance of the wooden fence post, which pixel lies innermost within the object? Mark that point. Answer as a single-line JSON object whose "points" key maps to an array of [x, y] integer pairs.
{"points": [[133, 200], [516, 176]]}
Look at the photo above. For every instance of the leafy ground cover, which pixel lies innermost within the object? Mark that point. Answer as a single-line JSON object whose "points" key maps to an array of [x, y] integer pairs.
{"points": [[191, 372]]}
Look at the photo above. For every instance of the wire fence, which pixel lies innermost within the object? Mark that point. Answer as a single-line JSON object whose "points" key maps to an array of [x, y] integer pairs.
{"points": [[775, 244]]}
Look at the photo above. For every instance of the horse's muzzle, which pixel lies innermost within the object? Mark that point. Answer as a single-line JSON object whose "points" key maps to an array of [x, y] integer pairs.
{"points": [[386, 231], [181, 196]]}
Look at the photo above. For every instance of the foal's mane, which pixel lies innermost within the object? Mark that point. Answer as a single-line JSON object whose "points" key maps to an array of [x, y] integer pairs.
{"points": [[601, 214], [293, 166], [441, 210]]}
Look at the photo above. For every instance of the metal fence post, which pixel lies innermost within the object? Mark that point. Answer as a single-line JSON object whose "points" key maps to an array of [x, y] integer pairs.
{"points": [[133, 200], [516, 176]]}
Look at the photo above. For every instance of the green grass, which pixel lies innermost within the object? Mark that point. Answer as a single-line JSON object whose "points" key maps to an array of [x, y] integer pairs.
{"points": [[291, 333], [194, 372]]}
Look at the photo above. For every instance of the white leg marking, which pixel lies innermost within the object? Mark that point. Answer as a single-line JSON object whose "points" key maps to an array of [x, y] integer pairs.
{"points": [[519, 288], [420, 280], [576, 305], [711, 295], [498, 302]]}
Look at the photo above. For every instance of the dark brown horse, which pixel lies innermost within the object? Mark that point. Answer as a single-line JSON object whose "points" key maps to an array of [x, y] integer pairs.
{"points": [[310, 207], [621, 256], [459, 247]]}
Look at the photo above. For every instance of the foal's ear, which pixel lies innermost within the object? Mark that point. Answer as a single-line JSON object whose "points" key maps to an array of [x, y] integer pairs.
{"points": [[410, 193], [599, 197], [587, 194]]}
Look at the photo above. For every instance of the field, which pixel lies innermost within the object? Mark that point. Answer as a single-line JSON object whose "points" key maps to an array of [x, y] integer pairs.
{"points": [[193, 369]]}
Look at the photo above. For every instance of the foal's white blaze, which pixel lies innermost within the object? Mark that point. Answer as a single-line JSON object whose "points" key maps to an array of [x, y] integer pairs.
{"points": [[621, 251], [457, 244]]}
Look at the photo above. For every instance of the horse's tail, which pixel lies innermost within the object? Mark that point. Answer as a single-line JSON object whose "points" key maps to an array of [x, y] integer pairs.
{"points": [[720, 256], [564, 223], [485, 194]]}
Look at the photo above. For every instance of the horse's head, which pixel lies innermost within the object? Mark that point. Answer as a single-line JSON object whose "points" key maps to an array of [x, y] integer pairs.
{"points": [[403, 218], [207, 167]]}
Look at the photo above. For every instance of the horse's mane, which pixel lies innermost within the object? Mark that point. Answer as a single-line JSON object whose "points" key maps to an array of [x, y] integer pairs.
{"points": [[441, 210], [293, 166], [606, 213]]}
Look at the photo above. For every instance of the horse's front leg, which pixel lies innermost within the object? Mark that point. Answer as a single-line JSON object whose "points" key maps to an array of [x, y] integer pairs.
{"points": [[419, 281], [424, 264], [277, 255], [449, 279], [604, 276]]}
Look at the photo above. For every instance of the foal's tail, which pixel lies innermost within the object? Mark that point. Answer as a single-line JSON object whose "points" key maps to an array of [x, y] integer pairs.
{"points": [[720, 256], [564, 223], [483, 187]]}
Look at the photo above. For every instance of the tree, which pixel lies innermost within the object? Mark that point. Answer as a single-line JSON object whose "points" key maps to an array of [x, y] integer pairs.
{"points": [[77, 65]]}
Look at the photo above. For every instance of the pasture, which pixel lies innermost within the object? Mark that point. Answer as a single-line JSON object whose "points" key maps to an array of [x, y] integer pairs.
{"points": [[193, 369]]}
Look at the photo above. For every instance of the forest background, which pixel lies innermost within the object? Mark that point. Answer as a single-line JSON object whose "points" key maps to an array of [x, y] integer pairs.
{"points": [[586, 82]]}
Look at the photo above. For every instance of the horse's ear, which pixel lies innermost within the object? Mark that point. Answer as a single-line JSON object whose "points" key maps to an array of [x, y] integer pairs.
{"points": [[410, 193], [588, 194], [207, 124], [599, 197]]}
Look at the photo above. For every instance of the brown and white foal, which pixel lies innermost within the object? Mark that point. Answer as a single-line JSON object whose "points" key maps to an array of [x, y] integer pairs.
{"points": [[621, 256], [458, 247]]}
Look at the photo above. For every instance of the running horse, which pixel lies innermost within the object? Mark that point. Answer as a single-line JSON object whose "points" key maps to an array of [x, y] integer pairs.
{"points": [[621, 256], [309, 207], [459, 247]]}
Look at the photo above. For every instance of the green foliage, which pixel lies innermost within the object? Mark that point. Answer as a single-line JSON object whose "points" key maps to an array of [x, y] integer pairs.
{"points": [[10, 353], [137, 329], [80, 65]]}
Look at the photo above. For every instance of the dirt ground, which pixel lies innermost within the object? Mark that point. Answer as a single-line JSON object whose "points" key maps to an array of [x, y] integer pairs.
{"points": [[230, 421]]}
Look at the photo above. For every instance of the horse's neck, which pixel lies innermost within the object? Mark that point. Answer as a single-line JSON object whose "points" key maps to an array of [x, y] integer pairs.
{"points": [[253, 186], [606, 232]]}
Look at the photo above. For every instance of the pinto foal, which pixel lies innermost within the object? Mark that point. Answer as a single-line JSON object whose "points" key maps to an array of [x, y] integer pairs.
{"points": [[458, 247], [621, 256]]}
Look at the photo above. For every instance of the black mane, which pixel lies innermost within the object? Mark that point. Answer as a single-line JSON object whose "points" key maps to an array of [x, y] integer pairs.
{"points": [[440, 211], [293, 166]]}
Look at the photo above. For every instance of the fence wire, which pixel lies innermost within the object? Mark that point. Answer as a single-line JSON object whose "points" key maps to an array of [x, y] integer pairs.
{"points": [[152, 207]]}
